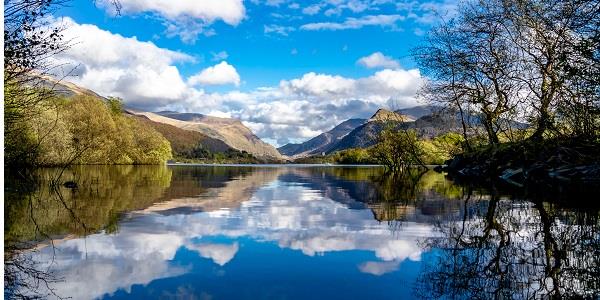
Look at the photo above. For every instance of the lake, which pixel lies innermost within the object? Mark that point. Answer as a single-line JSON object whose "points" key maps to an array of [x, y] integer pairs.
{"points": [[291, 232]]}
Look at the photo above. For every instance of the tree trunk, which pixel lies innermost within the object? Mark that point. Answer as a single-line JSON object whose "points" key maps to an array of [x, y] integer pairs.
{"points": [[489, 128]]}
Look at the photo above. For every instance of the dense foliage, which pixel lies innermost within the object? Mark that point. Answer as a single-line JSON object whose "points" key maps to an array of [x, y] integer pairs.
{"points": [[397, 149], [85, 130]]}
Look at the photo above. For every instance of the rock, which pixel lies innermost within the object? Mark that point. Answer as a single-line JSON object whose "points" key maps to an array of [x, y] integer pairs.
{"points": [[514, 177], [455, 163], [70, 184]]}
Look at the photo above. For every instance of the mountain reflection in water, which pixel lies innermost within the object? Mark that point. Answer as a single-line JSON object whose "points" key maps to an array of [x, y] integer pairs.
{"points": [[293, 232]]}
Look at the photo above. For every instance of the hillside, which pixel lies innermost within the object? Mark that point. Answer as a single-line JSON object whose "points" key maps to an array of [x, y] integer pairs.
{"points": [[323, 142], [416, 112], [65, 88], [365, 135], [184, 141], [230, 131]]}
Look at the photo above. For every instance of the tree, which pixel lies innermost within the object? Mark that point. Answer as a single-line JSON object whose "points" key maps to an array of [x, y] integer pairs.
{"points": [[525, 59], [397, 149], [472, 66], [28, 45], [30, 42]]}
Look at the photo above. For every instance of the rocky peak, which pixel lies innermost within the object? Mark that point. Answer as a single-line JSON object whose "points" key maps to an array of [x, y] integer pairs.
{"points": [[384, 115]]}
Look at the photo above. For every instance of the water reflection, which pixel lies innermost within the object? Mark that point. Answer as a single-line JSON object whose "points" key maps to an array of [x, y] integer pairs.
{"points": [[514, 249], [299, 232]]}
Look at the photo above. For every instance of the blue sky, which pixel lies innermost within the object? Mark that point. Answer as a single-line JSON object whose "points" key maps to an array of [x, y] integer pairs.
{"points": [[288, 69]]}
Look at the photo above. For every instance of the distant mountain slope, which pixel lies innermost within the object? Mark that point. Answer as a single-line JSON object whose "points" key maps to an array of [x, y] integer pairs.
{"points": [[416, 112], [232, 132], [323, 142], [429, 121], [365, 135], [185, 141], [65, 88]]}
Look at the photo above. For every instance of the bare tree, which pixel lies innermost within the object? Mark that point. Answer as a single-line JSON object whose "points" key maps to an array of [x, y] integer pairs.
{"points": [[533, 59]]}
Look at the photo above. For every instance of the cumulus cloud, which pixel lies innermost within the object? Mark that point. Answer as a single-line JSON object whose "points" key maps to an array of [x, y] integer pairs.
{"points": [[379, 87], [378, 60], [219, 74], [111, 64], [230, 11], [220, 254], [356, 23], [183, 18], [379, 268], [312, 84]]}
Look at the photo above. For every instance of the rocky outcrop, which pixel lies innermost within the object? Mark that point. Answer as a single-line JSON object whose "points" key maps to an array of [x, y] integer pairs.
{"points": [[383, 115], [574, 162]]}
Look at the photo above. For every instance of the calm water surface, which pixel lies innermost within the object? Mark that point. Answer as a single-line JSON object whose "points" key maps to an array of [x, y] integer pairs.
{"points": [[208, 232]]}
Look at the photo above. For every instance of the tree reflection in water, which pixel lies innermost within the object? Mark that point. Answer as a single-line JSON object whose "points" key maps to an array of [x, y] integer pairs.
{"points": [[39, 212], [512, 249]]}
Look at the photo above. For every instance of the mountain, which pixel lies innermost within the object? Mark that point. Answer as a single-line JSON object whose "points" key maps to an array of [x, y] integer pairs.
{"points": [[323, 141], [416, 112], [428, 121], [185, 142], [63, 88], [365, 135], [232, 132], [384, 115]]}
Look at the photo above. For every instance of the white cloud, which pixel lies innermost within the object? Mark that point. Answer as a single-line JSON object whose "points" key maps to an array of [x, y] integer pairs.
{"points": [[356, 23], [311, 10], [377, 88], [221, 73], [221, 254], [274, 28], [229, 11], [218, 56], [187, 30], [312, 84], [378, 60], [184, 18], [111, 64], [379, 268]]}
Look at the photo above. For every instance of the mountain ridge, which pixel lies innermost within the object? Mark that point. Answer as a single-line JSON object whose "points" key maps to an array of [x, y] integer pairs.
{"points": [[232, 132], [322, 142]]}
